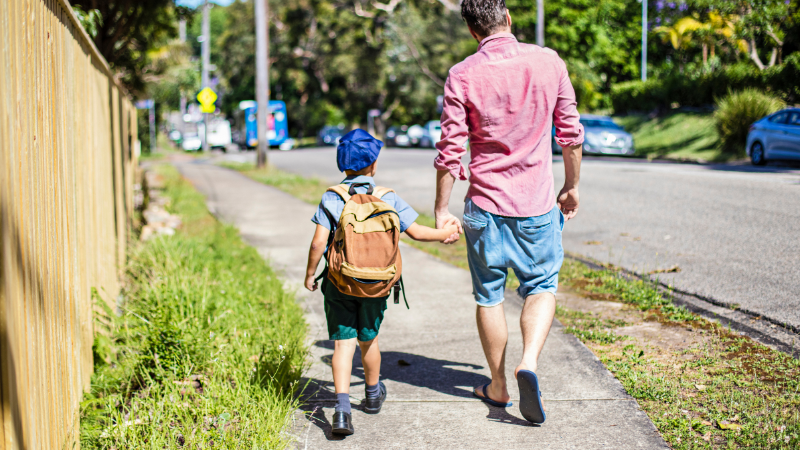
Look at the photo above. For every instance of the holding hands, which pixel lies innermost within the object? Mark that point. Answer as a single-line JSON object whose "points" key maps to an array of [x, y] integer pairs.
{"points": [[449, 222]]}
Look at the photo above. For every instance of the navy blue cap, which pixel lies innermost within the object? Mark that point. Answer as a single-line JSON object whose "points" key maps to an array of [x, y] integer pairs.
{"points": [[357, 150]]}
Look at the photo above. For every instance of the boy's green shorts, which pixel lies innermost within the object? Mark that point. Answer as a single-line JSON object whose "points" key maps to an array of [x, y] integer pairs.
{"points": [[352, 317]]}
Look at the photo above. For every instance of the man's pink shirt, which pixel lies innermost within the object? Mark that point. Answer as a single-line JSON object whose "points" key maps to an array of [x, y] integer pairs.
{"points": [[505, 98]]}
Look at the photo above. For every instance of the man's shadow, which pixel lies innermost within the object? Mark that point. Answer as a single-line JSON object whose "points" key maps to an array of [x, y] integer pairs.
{"points": [[435, 374]]}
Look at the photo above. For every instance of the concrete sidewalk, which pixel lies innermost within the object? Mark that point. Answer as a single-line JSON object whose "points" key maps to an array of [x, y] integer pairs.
{"points": [[432, 355]]}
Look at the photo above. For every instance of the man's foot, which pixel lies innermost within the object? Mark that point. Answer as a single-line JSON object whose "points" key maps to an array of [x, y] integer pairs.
{"points": [[485, 393], [530, 397], [523, 366], [373, 405], [342, 424]]}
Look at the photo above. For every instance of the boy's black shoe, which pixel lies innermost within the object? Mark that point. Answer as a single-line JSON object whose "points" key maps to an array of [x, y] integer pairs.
{"points": [[342, 424], [373, 405]]}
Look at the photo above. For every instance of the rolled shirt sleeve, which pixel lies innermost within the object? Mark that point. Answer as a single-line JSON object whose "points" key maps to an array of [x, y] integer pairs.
{"points": [[455, 131], [569, 131]]}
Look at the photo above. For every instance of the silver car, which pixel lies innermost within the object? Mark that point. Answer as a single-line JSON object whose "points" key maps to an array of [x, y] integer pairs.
{"points": [[602, 137], [776, 136]]}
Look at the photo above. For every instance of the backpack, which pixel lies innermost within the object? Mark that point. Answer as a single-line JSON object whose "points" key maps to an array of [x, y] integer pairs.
{"points": [[364, 255]]}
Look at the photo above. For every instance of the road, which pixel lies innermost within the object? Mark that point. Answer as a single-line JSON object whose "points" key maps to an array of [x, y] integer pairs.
{"points": [[733, 231]]}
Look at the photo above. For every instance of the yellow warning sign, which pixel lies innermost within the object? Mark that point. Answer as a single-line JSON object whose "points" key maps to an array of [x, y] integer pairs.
{"points": [[207, 97]]}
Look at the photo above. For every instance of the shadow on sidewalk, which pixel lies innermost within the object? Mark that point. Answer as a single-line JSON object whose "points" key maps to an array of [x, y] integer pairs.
{"points": [[436, 374]]}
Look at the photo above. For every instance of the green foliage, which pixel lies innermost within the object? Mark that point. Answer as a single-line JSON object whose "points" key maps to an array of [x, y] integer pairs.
{"points": [[124, 31], [209, 347], [703, 88], [737, 111]]}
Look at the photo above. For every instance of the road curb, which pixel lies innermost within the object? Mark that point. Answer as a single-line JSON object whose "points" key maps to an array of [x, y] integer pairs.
{"points": [[779, 336]]}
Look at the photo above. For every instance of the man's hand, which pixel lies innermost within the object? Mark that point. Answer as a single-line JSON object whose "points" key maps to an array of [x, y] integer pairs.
{"points": [[444, 220], [311, 285], [568, 202]]}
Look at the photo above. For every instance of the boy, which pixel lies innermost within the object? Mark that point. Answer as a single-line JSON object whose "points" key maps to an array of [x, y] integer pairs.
{"points": [[351, 318]]}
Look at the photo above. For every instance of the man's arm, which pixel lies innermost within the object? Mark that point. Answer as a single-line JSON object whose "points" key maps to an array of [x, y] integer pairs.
{"points": [[568, 199], [455, 133], [569, 135], [444, 187]]}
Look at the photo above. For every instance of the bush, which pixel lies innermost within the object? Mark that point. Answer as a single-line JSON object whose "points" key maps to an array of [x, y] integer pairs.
{"points": [[737, 111], [702, 88]]}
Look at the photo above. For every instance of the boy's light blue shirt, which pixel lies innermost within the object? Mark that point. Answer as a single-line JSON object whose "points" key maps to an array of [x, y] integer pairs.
{"points": [[334, 205]]}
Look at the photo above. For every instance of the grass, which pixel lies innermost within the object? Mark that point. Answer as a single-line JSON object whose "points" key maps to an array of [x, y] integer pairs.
{"points": [[714, 390], [678, 135], [208, 349]]}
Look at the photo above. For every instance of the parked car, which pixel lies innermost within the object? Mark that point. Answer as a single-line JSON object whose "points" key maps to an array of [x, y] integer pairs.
{"points": [[397, 136], [776, 136], [602, 137], [219, 134], [433, 134], [329, 135], [415, 135], [191, 142]]}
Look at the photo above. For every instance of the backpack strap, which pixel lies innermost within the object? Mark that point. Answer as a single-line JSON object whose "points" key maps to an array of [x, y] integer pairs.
{"points": [[342, 190], [380, 191]]}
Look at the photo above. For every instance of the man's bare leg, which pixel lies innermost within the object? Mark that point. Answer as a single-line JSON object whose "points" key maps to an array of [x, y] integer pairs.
{"points": [[535, 321], [493, 331]]}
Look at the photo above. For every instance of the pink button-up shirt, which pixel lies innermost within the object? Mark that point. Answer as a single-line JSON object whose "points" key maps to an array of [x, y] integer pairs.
{"points": [[505, 98]]}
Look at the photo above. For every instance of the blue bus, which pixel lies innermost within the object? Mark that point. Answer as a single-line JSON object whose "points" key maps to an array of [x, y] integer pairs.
{"points": [[247, 125]]}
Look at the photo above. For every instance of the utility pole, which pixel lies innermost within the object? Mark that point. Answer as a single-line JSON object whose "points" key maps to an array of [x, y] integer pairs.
{"points": [[206, 54], [182, 37], [262, 79], [540, 23], [644, 40]]}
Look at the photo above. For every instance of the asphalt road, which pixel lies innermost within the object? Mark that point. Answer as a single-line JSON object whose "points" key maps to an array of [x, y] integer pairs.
{"points": [[732, 230]]}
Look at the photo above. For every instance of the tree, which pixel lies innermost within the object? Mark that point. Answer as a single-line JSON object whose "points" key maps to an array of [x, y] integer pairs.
{"points": [[125, 30], [759, 24]]}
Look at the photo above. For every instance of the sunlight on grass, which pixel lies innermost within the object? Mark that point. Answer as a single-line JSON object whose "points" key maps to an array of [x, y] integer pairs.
{"points": [[681, 135], [208, 350]]}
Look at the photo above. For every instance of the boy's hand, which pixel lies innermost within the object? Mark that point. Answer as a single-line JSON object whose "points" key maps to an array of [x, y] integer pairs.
{"points": [[453, 234], [311, 285]]}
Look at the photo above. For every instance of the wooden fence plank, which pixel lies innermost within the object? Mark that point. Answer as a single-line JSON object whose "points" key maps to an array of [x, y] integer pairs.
{"points": [[66, 200]]}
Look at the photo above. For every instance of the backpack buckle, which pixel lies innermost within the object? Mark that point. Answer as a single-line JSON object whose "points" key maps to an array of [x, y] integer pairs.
{"points": [[397, 293]]}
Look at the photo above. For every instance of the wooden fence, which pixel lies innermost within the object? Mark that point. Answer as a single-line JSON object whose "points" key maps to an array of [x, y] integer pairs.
{"points": [[67, 134]]}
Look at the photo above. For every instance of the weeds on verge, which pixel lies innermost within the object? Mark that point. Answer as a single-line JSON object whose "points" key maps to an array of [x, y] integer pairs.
{"points": [[720, 390], [208, 349]]}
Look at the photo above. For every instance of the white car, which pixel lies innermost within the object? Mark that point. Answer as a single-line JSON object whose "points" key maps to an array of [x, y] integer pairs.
{"points": [[432, 134], [776, 136], [191, 142]]}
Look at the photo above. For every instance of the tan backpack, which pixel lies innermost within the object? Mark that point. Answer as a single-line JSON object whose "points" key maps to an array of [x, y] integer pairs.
{"points": [[364, 255]]}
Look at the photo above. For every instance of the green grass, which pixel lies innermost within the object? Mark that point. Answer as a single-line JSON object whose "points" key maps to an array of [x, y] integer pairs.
{"points": [[208, 350], [724, 391], [679, 135]]}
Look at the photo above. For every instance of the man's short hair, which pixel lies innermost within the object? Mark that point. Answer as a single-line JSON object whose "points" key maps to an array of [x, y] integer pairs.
{"points": [[484, 16]]}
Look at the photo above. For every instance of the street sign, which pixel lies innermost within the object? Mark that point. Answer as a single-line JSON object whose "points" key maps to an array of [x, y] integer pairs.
{"points": [[145, 104], [207, 97]]}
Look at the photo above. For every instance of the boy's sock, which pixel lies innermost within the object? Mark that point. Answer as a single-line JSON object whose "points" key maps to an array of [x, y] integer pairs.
{"points": [[343, 403], [373, 391]]}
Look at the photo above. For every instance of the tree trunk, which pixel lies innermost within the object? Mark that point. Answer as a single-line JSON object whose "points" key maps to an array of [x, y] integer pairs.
{"points": [[705, 53], [754, 54]]}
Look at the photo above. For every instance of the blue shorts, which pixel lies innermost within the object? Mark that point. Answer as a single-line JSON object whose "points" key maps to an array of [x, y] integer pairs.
{"points": [[529, 245]]}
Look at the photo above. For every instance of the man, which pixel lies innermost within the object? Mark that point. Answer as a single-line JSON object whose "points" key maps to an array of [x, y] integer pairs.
{"points": [[505, 99]]}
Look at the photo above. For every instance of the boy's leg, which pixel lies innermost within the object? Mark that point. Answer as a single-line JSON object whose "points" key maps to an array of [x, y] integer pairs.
{"points": [[371, 361], [493, 332], [342, 364]]}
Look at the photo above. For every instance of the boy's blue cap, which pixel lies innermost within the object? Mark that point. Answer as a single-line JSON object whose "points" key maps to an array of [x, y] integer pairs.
{"points": [[357, 150]]}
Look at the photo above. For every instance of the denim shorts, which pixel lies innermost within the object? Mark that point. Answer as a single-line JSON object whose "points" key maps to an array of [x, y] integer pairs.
{"points": [[529, 245]]}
